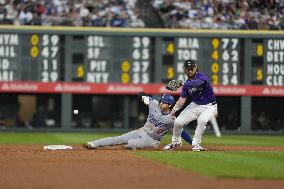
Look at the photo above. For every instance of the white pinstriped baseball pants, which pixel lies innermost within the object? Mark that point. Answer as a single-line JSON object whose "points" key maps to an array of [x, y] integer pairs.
{"points": [[203, 113]]}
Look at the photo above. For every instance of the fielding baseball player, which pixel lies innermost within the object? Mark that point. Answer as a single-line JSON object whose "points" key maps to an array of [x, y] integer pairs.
{"points": [[203, 106], [158, 123], [173, 85]]}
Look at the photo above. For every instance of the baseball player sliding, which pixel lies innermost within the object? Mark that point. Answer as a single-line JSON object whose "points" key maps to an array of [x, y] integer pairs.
{"points": [[159, 122], [203, 106]]}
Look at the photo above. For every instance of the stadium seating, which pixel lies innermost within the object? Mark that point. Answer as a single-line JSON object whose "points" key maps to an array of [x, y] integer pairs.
{"points": [[106, 13], [196, 14], [221, 14]]}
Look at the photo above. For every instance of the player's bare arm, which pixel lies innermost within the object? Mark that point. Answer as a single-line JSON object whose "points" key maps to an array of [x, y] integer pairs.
{"points": [[179, 104]]}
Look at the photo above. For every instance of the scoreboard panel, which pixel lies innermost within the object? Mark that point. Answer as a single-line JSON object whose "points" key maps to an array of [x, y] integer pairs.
{"points": [[218, 57], [268, 62], [106, 56], [117, 59], [34, 57]]}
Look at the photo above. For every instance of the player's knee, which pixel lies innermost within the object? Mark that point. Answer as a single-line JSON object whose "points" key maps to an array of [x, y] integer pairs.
{"points": [[202, 121], [121, 140], [179, 123]]}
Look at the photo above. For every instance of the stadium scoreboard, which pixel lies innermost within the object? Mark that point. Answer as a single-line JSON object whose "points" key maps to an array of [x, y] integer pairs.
{"points": [[139, 57]]}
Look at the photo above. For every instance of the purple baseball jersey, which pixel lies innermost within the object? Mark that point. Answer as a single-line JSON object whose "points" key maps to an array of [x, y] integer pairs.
{"points": [[200, 89]]}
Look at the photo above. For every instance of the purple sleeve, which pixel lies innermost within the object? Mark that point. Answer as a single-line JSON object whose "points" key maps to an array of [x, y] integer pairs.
{"points": [[184, 91]]}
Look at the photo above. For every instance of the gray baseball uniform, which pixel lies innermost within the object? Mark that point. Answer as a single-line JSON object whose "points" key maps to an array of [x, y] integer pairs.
{"points": [[157, 125]]}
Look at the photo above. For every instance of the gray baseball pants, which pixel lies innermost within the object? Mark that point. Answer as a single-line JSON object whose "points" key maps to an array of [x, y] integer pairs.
{"points": [[134, 139]]}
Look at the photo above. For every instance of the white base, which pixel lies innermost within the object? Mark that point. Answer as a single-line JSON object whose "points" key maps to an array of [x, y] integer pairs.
{"points": [[57, 147]]}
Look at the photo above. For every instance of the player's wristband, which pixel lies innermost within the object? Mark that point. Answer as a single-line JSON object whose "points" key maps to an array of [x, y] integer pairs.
{"points": [[176, 108]]}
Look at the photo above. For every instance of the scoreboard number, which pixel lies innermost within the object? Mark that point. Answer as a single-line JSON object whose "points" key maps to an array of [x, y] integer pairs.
{"points": [[141, 63], [49, 58], [229, 61]]}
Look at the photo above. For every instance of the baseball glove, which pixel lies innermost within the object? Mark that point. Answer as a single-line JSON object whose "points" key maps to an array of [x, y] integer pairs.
{"points": [[173, 85]]}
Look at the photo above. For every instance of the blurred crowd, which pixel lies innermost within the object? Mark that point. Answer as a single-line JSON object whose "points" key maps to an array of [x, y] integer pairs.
{"points": [[100, 13], [222, 14], [196, 14]]}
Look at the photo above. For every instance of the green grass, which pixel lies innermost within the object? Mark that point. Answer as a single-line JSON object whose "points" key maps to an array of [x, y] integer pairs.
{"points": [[259, 165], [251, 140], [49, 137], [247, 140], [78, 138]]}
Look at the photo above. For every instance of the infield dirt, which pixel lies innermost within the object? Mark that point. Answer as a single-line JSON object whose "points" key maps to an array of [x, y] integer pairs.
{"points": [[29, 166]]}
